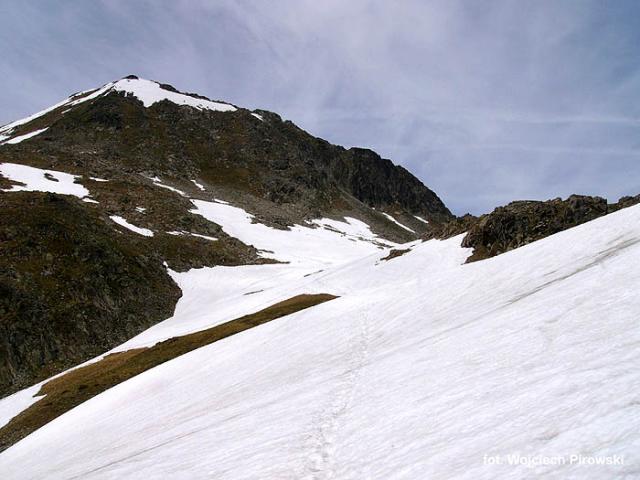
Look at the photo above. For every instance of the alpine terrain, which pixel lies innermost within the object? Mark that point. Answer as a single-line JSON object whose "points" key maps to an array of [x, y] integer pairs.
{"points": [[191, 289]]}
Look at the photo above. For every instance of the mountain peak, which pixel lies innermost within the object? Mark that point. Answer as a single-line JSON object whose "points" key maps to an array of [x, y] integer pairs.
{"points": [[223, 145], [151, 91], [148, 92]]}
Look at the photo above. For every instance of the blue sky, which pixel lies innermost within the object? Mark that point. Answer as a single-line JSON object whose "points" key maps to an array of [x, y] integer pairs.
{"points": [[486, 102]]}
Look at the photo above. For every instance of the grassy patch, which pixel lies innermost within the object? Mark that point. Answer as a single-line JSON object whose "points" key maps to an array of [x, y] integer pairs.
{"points": [[77, 386]]}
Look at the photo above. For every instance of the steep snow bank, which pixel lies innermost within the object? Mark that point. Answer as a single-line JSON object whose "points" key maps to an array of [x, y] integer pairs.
{"points": [[423, 368]]}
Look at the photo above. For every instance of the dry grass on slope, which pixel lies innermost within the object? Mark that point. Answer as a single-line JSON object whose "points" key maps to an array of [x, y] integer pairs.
{"points": [[77, 386]]}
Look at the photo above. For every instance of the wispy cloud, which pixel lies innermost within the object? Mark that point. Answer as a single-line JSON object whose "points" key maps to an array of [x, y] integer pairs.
{"points": [[486, 101]]}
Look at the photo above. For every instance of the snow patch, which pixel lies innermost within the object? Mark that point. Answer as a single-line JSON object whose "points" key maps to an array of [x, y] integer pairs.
{"points": [[5, 130], [397, 222], [335, 242], [40, 180], [14, 404], [421, 219], [139, 230], [149, 92], [24, 137], [158, 183], [199, 185], [206, 237], [183, 232]]}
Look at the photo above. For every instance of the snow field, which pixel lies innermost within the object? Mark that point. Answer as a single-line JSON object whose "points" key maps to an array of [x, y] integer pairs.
{"points": [[420, 369]]}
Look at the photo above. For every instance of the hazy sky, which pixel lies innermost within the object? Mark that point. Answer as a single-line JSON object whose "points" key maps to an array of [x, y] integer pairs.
{"points": [[485, 101]]}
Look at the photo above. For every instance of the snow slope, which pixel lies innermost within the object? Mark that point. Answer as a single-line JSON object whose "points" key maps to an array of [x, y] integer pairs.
{"points": [[149, 92], [421, 369]]}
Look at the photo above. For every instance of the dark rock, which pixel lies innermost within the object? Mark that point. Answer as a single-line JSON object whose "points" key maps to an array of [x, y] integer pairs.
{"points": [[624, 202], [171, 88], [71, 287], [523, 222], [451, 228]]}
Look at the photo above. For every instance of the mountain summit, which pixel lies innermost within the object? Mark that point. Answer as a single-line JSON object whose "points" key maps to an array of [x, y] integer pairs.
{"points": [[144, 127]]}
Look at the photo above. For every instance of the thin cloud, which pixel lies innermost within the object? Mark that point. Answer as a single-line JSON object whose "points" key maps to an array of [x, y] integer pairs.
{"points": [[485, 101]]}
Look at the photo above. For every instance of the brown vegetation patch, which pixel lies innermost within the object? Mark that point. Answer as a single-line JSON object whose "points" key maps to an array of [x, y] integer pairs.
{"points": [[77, 386]]}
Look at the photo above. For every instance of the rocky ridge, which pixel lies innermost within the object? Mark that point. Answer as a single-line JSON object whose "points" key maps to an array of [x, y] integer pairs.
{"points": [[522, 222]]}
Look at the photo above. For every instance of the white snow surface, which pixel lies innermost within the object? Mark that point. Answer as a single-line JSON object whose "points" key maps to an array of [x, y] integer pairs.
{"points": [[422, 367], [149, 92], [199, 185], [35, 180], [332, 242], [206, 237], [397, 222], [199, 235], [16, 403], [26, 136], [6, 130], [139, 230], [421, 219], [158, 183]]}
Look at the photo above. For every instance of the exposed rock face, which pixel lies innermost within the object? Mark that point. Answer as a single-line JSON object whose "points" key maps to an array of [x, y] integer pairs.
{"points": [[624, 202], [523, 222], [379, 183], [73, 284], [451, 228], [71, 287]]}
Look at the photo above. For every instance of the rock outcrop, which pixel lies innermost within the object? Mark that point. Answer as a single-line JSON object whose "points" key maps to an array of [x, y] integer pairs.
{"points": [[523, 222], [71, 287]]}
